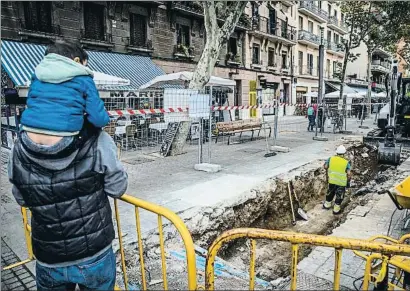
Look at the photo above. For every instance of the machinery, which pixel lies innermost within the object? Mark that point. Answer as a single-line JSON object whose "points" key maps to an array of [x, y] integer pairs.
{"points": [[393, 130]]}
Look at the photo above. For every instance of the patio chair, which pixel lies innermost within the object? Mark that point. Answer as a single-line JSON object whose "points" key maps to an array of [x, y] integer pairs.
{"points": [[129, 139]]}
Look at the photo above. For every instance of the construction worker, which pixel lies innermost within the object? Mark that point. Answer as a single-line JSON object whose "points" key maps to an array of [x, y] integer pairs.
{"points": [[338, 174], [311, 117]]}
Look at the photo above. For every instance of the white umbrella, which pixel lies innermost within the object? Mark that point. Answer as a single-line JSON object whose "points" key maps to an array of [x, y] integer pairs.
{"points": [[182, 77], [102, 79]]}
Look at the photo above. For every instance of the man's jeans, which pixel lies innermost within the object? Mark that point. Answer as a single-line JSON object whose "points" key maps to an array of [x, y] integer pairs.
{"points": [[95, 274]]}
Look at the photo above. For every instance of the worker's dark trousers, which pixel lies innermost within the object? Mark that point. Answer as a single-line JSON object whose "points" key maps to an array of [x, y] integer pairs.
{"points": [[333, 190]]}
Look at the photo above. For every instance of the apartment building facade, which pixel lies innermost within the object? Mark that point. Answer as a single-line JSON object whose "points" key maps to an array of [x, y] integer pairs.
{"points": [[275, 43], [356, 72]]}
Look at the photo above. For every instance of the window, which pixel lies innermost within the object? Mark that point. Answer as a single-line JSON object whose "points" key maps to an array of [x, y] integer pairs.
{"points": [[300, 23], [336, 38], [183, 35], [342, 17], [317, 66], [284, 28], [318, 29], [310, 64], [271, 57], [94, 21], [291, 11], [310, 26], [284, 60], [329, 36], [300, 63], [37, 16], [328, 68], [334, 67], [329, 9], [272, 21], [255, 54], [232, 46], [335, 14], [138, 30], [320, 4]]}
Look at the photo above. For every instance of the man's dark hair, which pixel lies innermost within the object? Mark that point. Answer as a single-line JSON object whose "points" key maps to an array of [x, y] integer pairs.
{"points": [[67, 49]]}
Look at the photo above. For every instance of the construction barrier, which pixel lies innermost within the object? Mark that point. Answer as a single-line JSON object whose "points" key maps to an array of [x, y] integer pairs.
{"points": [[162, 212], [296, 239], [376, 273]]}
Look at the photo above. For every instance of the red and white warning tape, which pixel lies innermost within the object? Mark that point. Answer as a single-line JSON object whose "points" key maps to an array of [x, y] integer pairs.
{"points": [[145, 111], [179, 109]]}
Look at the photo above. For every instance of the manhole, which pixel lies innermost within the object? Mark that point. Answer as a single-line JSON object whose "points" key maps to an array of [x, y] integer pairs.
{"points": [[18, 278], [252, 151], [138, 160]]}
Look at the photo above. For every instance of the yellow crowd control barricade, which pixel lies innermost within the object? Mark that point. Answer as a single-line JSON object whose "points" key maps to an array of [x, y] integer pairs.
{"points": [[296, 239], [27, 236], [179, 225], [161, 212], [377, 264]]}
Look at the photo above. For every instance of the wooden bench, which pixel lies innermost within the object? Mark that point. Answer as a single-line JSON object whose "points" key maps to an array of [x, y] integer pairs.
{"points": [[240, 126]]}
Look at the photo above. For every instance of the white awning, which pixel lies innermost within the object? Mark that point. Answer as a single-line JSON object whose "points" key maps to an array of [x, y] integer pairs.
{"points": [[101, 79], [181, 77]]}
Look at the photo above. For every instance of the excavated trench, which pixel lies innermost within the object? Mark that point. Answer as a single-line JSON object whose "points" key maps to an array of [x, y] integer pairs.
{"points": [[266, 206]]}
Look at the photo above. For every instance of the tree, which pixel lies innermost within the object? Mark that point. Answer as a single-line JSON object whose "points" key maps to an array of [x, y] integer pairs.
{"points": [[359, 21], [398, 27], [216, 36]]}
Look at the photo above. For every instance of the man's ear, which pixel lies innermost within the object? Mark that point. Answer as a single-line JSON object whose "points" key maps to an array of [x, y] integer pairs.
{"points": [[76, 59]]}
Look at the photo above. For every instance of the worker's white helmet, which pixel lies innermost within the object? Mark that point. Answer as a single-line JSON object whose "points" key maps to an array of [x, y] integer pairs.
{"points": [[341, 150]]}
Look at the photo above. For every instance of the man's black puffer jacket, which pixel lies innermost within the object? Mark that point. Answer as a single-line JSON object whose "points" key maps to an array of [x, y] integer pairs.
{"points": [[71, 214]]}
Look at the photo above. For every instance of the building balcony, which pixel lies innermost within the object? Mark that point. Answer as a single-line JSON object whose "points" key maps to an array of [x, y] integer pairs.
{"points": [[377, 67], [279, 33], [307, 71], [233, 60], [337, 25], [257, 64], [308, 38], [184, 52], [89, 38], [310, 9], [334, 49], [36, 31], [192, 8], [146, 47]]}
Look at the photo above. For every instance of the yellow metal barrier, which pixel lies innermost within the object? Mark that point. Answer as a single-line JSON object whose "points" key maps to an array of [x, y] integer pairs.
{"points": [[401, 263], [161, 212], [27, 231], [179, 225], [295, 239]]}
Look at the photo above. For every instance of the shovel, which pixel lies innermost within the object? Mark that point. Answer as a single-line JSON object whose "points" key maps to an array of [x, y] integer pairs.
{"points": [[291, 205], [301, 212]]}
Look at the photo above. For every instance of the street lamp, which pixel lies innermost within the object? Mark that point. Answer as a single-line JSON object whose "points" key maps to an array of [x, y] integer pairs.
{"points": [[320, 91]]}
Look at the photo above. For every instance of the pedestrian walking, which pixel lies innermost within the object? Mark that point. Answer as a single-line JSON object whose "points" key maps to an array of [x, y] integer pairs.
{"points": [[338, 174], [311, 117]]}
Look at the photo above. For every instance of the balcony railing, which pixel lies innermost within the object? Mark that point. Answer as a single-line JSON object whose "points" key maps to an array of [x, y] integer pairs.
{"points": [[89, 35], [39, 29], [336, 22], [307, 71], [309, 36], [277, 29], [334, 47], [192, 7], [310, 6]]}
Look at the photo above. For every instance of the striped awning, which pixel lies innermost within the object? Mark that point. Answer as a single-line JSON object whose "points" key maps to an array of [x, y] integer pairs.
{"points": [[20, 59]]}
